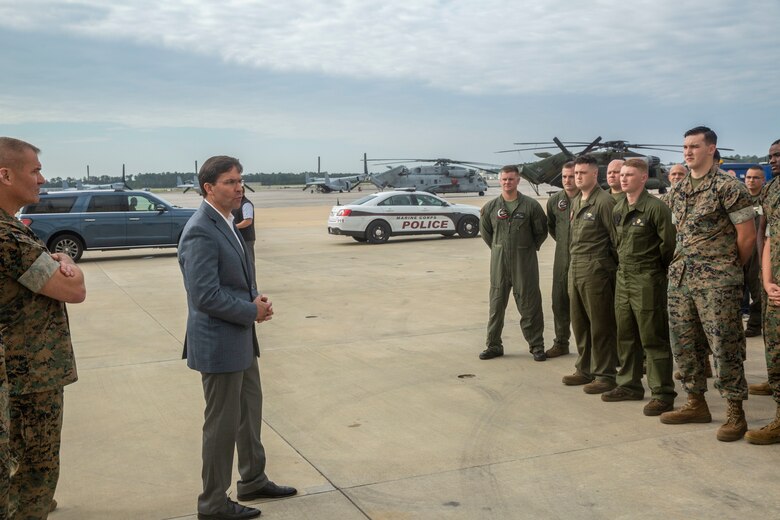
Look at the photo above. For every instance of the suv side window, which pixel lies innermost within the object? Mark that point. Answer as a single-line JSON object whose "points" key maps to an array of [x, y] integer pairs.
{"points": [[140, 203], [107, 203], [51, 205]]}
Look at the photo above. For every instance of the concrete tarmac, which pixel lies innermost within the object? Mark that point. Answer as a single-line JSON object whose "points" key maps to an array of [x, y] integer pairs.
{"points": [[376, 405]]}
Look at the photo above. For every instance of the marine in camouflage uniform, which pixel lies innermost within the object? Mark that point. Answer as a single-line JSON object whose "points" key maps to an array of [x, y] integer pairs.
{"points": [[593, 262], [770, 433], [5, 459], [558, 207], [645, 244], [753, 179], [38, 352], [514, 231], [705, 291]]}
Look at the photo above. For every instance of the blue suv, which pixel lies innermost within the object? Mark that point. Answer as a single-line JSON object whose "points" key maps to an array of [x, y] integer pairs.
{"points": [[74, 221]]}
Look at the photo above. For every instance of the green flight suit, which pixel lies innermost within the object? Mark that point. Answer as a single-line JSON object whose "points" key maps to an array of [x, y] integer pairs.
{"points": [[514, 239], [645, 245], [558, 209], [592, 266]]}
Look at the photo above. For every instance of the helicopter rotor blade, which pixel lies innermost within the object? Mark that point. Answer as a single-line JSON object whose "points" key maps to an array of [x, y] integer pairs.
{"points": [[591, 146]]}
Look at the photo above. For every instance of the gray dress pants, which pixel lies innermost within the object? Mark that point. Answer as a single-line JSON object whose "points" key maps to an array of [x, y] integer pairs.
{"points": [[232, 419]]}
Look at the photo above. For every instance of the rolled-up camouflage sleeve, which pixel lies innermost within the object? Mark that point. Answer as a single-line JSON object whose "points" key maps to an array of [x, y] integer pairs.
{"points": [[40, 272], [736, 201]]}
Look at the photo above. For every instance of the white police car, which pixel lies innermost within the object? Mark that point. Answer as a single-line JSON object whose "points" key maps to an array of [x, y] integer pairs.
{"points": [[375, 218]]}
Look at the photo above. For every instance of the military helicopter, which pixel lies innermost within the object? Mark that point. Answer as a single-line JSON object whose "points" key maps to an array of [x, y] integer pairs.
{"points": [[548, 169], [328, 185], [443, 176], [193, 185]]}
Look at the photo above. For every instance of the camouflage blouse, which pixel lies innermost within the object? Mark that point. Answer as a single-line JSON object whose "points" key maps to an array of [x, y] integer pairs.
{"points": [[38, 351], [706, 255]]}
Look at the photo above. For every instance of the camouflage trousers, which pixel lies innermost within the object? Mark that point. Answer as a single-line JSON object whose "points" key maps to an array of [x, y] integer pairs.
{"points": [[709, 317], [772, 346], [5, 458], [36, 424]]}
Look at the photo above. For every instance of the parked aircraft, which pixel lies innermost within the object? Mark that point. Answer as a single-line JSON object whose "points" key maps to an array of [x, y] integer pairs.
{"points": [[327, 184], [548, 169], [443, 176]]}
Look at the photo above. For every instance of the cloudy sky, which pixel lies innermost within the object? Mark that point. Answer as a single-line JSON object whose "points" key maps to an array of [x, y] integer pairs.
{"points": [[159, 85]]}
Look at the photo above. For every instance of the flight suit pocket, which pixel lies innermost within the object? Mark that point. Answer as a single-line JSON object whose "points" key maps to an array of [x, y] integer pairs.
{"points": [[652, 292]]}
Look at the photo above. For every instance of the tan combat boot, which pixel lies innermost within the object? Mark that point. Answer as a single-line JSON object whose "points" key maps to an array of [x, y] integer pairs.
{"points": [[735, 426], [760, 389], [769, 434], [694, 411]]}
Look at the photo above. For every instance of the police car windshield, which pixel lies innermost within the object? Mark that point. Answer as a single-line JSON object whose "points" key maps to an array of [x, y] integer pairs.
{"points": [[363, 200]]}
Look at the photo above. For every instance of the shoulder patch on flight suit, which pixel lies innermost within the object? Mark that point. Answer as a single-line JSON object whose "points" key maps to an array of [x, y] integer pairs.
{"points": [[589, 216], [502, 214], [563, 204], [638, 222], [616, 218], [519, 215]]}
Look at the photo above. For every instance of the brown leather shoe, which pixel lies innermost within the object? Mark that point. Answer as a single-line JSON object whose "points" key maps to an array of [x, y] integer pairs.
{"points": [[575, 379], [760, 389], [735, 426], [657, 407], [556, 351], [695, 410], [599, 387]]}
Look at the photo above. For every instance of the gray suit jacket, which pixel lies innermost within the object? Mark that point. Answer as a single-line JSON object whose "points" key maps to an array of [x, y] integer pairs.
{"points": [[220, 284]]}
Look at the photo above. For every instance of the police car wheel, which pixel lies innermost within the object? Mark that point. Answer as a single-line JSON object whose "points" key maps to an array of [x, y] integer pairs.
{"points": [[468, 227], [377, 232]]}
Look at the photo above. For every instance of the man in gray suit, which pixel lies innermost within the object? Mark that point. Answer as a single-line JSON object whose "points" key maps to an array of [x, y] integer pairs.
{"points": [[223, 306]]}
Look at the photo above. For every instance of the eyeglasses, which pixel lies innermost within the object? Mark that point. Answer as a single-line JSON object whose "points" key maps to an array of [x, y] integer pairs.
{"points": [[231, 182]]}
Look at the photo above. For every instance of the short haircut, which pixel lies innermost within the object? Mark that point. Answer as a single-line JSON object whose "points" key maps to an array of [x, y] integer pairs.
{"points": [[636, 162], [710, 137], [776, 142], [510, 168], [586, 159], [11, 151], [757, 169], [569, 165], [214, 167]]}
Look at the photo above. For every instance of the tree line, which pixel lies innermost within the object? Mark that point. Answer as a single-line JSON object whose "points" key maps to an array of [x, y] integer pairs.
{"points": [[170, 179]]}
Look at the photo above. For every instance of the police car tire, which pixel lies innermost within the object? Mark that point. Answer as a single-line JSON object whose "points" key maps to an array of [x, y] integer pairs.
{"points": [[377, 232], [468, 227], [359, 239], [70, 244]]}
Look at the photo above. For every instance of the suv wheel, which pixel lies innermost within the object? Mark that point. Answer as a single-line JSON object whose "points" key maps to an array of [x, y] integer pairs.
{"points": [[69, 244]]}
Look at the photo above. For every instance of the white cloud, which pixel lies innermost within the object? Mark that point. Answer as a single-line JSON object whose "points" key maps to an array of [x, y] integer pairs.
{"points": [[660, 49]]}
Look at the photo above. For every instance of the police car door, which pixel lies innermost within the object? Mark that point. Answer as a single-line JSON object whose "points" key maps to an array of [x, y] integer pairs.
{"points": [[435, 214], [400, 211]]}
